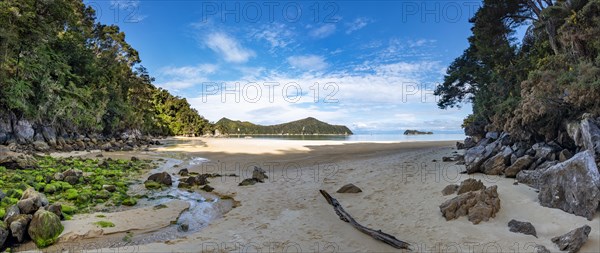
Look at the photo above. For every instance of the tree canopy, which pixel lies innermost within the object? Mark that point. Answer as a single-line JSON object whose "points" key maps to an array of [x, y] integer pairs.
{"points": [[61, 68], [533, 86]]}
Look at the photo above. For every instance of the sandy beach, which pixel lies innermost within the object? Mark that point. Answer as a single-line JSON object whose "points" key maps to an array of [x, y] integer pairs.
{"points": [[401, 192]]}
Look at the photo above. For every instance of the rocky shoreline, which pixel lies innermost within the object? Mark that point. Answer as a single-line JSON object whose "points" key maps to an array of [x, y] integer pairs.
{"points": [[563, 171]]}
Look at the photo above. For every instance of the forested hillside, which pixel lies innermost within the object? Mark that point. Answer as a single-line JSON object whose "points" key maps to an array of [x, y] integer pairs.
{"points": [[308, 126], [531, 87], [62, 71]]}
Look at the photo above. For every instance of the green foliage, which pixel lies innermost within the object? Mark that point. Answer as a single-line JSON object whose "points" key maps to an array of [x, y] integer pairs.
{"points": [[60, 68], [531, 88], [306, 126], [104, 224]]}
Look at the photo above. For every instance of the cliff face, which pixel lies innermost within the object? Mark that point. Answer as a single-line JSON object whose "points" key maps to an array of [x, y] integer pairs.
{"points": [[308, 126]]}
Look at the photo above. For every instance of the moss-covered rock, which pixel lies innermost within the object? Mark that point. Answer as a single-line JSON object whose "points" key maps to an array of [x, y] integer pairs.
{"points": [[44, 229], [104, 224], [130, 202], [152, 185], [71, 194]]}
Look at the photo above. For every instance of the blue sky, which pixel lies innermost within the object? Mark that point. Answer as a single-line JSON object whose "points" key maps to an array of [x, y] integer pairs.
{"points": [[370, 65]]}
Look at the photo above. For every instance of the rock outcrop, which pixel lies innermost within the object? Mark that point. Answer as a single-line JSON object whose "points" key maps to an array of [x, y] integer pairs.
{"points": [[573, 240], [470, 185], [519, 165], [449, 189], [478, 205], [572, 186], [522, 227]]}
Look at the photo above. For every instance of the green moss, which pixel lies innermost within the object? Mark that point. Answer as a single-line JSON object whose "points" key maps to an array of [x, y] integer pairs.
{"points": [[14, 193], [130, 202], [66, 209], [152, 185], [100, 216], [128, 236], [2, 213], [104, 224], [71, 194], [50, 188]]}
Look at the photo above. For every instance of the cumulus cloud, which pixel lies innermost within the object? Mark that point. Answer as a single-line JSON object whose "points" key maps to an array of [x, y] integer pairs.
{"points": [[308, 62], [228, 47]]}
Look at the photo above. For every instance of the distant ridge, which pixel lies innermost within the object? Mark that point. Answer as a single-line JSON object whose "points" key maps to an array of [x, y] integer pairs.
{"points": [[416, 132], [308, 126]]}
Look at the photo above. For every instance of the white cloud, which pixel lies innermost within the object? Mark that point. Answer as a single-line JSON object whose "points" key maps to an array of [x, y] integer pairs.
{"points": [[357, 24], [307, 62], [186, 77], [278, 35], [322, 31], [228, 47]]}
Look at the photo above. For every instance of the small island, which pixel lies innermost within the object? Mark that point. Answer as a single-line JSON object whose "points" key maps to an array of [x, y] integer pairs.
{"points": [[416, 132]]}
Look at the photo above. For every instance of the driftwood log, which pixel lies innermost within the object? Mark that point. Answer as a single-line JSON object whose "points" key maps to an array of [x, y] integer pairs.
{"points": [[377, 234]]}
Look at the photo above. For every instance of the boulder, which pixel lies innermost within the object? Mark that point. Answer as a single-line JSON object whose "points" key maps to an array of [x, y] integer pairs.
{"points": [[469, 185], [573, 240], [161, 178], [207, 188], [530, 177], [31, 201], [23, 131], [522, 227], [49, 135], [41, 146], [4, 232], [478, 205], [44, 229], [18, 226], [449, 189], [590, 135], [496, 164], [460, 145], [572, 186], [541, 249], [518, 165], [543, 150], [492, 135], [469, 143], [109, 187], [184, 172], [59, 176], [564, 155], [72, 180], [56, 209], [259, 174], [74, 173], [349, 188], [11, 211], [477, 155]]}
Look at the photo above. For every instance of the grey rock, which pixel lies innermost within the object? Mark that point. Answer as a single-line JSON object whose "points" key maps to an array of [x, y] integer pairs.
{"points": [[56, 209], [41, 146], [492, 135], [572, 186], [477, 155], [59, 176], [183, 172], [573, 240], [162, 178], [31, 201], [517, 166], [590, 135], [522, 227], [18, 226], [11, 211], [349, 188], [543, 150], [4, 232], [23, 131], [541, 249], [73, 172], [259, 174], [49, 135]]}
